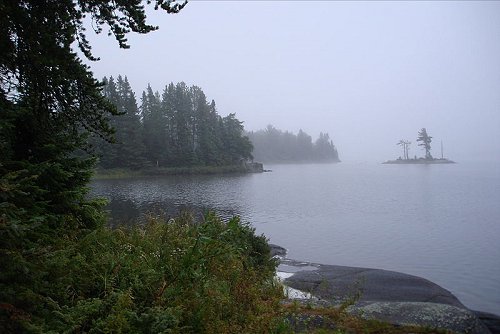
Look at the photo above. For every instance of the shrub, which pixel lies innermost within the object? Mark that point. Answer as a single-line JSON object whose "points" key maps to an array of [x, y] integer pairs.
{"points": [[177, 276]]}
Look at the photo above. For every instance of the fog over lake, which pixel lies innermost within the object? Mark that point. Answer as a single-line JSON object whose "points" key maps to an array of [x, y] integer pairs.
{"points": [[360, 134], [435, 221], [368, 73]]}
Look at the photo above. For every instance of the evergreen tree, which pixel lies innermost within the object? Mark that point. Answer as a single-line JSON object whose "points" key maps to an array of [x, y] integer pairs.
{"points": [[127, 149], [425, 141], [178, 129], [183, 125], [405, 144], [304, 145], [129, 134], [237, 148], [215, 133], [49, 103], [107, 152], [324, 150], [155, 125], [206, 136]]}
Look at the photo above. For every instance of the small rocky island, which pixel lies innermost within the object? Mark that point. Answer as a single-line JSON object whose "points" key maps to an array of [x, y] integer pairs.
{"points": [[425, 141], [420, 161]]}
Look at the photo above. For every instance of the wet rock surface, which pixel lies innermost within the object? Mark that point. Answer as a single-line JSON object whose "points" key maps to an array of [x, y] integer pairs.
{"points": [[341, 283], [456, 319], [390, 296], [492, 321]]}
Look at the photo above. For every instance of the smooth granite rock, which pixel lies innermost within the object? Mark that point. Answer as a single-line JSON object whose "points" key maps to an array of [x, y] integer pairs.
{"points": [[277, 250], [385, 295], [441, 316], [340, 283], [492, 321]]}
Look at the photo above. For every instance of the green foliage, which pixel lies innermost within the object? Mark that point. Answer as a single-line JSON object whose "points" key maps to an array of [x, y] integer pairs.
{"points": [[165, 277], [178, 129], [127, 149], [273, 145], [50, 103]]}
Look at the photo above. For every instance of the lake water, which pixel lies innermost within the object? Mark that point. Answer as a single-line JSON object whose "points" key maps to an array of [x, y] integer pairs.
{"points": [[440, 222]]}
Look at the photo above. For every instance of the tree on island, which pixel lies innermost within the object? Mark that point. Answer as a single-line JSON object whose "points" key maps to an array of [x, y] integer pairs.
{"points": [[425, 141], [405, 144]]}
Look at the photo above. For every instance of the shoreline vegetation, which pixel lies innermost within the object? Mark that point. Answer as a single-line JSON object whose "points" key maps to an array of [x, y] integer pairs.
{"points": [[175, 276], [119, 173]]}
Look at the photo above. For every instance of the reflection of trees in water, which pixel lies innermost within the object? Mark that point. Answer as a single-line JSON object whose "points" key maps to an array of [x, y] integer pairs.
{"points": [[132, 201], [127, 212], [122, 212]]}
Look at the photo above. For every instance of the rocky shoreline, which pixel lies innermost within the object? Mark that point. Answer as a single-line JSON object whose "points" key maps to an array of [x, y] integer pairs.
{"points": [[397, 298]]}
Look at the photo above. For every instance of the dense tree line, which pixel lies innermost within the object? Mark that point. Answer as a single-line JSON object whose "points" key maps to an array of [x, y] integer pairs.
{"points": [[274, 145], [177, 128]]}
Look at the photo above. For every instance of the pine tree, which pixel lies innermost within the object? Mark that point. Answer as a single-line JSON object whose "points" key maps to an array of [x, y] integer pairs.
{"points": [[154, 125], [237, 148], [129, 133], [324, 150], [127, 149], [425, 141], [204, 144], [305, 145], [105, 150], [183, 120], [182, 129]]}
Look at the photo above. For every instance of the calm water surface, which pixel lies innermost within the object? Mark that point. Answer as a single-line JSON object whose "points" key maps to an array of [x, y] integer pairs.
{"points": [[441, 222]]}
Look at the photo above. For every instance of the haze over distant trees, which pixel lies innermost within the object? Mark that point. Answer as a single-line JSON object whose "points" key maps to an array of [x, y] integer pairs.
{"points": [[177, 128], [423, 140], [274, 145], [405, 144]]}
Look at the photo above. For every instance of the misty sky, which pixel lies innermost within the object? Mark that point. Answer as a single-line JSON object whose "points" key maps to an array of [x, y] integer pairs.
{"points": [[368, 73]]}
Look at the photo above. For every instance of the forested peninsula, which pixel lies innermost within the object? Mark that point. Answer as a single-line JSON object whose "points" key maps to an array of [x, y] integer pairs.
{"points": [[177, 128], [178, 131]]}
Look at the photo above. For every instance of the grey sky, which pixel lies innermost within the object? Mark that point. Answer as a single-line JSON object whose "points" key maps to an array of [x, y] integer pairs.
{"points": [[368, 73]]}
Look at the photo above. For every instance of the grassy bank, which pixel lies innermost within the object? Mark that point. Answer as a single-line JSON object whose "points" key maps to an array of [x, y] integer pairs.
{"points": [[118, 173]]}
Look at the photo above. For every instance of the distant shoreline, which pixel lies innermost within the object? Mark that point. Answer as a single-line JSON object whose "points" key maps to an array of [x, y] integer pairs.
{"points": [[123, 173], [420, 161], [300, 162]]}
